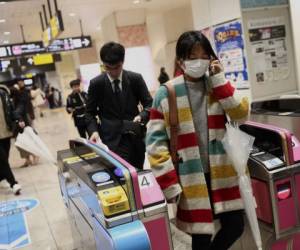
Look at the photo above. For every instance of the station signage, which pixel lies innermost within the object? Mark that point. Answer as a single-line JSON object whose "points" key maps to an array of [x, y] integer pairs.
{"points": [[21, 49], [41, 59], [53, 30], [72, 43], [59, 45]]}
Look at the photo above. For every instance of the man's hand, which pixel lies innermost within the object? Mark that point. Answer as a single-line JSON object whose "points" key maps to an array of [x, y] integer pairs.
{"points": [[95, 137], [138, 119], [21, 124]]}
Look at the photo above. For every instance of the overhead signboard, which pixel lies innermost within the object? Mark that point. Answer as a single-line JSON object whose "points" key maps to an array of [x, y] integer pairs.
{"points": [[59, 45], [40, 59], [53, 30], [43, 59], [4, 65], [72, 43], [46, 37], [21, 49]]}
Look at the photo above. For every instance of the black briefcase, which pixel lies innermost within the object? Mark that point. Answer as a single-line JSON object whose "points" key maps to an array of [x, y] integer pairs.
{"points": [[134, 128]]}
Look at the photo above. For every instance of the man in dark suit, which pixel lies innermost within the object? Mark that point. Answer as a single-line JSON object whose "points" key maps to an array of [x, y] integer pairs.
{"points": [[121, 101]]}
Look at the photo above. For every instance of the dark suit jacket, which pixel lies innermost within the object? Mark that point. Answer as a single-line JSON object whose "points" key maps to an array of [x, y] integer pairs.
{"points": [[103, 103]]}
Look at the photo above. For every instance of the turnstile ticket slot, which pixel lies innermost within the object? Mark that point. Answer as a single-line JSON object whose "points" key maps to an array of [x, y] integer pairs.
{"points": [[284, 191], [267, 141], [267, 160], [113, 201]]}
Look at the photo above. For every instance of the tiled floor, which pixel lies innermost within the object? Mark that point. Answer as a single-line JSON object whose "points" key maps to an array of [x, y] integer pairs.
{"points": [[48, 222]]}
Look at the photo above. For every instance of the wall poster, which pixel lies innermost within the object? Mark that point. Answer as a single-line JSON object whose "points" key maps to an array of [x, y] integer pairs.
{"points": [[229, 42], [268, 47]]}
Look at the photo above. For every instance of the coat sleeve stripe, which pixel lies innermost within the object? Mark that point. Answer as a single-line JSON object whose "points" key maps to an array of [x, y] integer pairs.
{"points": [[155, 114], [187, 140], [167, 179], [216, 121], [199, 215], [221, 172], [216, 148], [239, 111], [223, 91], [226, 194], [196, 191]]}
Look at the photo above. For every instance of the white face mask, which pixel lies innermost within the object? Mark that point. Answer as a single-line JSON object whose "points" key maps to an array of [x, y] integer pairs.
{"points": [[196, 68]]}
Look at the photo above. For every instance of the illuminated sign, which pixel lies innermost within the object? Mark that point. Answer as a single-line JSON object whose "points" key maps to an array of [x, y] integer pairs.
{"points": [[46, 37], [43, 59], [58, 45], [71, 43], [54, 26], [4, 65], [53, 30], [13, 50]]}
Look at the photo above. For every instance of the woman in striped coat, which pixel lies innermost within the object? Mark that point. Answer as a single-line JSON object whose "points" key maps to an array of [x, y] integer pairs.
{"points": [[205, 183]]}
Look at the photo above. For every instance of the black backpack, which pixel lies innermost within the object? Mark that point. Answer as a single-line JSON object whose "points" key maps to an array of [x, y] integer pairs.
{"points": [[8, 109]]}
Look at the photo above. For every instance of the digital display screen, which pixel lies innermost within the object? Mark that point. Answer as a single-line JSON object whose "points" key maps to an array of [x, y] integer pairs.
{"points": [[28, 81]]}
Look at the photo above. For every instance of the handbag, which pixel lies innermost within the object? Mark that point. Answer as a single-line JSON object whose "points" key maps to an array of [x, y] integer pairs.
{"points": [[134, 128], [174, 124]]}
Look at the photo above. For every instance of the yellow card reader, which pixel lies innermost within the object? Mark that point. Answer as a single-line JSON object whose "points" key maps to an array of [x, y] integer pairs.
{"points": [[113, 200]]}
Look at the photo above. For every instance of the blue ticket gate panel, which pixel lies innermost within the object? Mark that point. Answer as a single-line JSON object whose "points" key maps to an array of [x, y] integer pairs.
{"points": [[112, 205]]}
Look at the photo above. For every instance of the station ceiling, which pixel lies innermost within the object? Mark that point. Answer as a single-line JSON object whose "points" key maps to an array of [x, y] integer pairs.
{"points": [[91, 12]]}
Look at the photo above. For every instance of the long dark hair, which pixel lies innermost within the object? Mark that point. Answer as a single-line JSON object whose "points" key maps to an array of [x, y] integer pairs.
{"points": [[188, 40]]}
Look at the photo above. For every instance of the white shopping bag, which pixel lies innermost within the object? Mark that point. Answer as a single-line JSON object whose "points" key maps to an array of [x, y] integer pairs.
{"points": [[32, 143], [238, 145]]}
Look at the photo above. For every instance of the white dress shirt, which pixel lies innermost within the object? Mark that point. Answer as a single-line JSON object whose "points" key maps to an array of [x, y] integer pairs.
{"points": [[111, 81]]}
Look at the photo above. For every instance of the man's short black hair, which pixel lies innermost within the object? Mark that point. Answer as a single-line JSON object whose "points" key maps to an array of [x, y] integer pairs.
{"points": [[112, 53], [75, 82]]}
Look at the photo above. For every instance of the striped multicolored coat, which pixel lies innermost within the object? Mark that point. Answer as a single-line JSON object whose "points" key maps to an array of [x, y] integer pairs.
{"points": [[194, 214]]}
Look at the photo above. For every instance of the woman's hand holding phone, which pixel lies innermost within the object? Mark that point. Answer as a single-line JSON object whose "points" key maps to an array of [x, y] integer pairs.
{"points": [[215, 67]]}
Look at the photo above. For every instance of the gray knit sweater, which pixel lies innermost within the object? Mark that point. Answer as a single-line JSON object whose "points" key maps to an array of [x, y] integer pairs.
{"points": [[198, 101]]}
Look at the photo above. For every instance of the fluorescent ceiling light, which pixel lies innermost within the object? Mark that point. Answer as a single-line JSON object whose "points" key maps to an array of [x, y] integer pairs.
{"points": [[72, 14], [136, 1], [6, 33], [2, 2], [6, 42], [2, 20]]}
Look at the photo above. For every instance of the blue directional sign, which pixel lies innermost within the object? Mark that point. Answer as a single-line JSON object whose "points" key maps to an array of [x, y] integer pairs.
{"points": [[13, 225]]}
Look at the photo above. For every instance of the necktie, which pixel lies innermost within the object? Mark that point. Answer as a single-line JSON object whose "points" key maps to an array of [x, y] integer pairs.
{"points": [[117, 91]]}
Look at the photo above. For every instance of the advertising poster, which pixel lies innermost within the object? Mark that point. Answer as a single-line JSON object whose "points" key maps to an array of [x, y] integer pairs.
{"points": [[229, 44], [269, 50]]}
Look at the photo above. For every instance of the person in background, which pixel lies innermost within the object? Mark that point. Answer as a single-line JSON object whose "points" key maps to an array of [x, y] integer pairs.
{"points": [[7, 124], [50, 97], [114, 97], [38, 99], [76, 104], [163, 76], [203, 181], [57, 98], [25, 115], [177, 69]]}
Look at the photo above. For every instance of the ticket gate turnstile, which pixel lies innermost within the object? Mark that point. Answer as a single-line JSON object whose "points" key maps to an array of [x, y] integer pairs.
{"points": [[112, 205], [275, 174]]}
